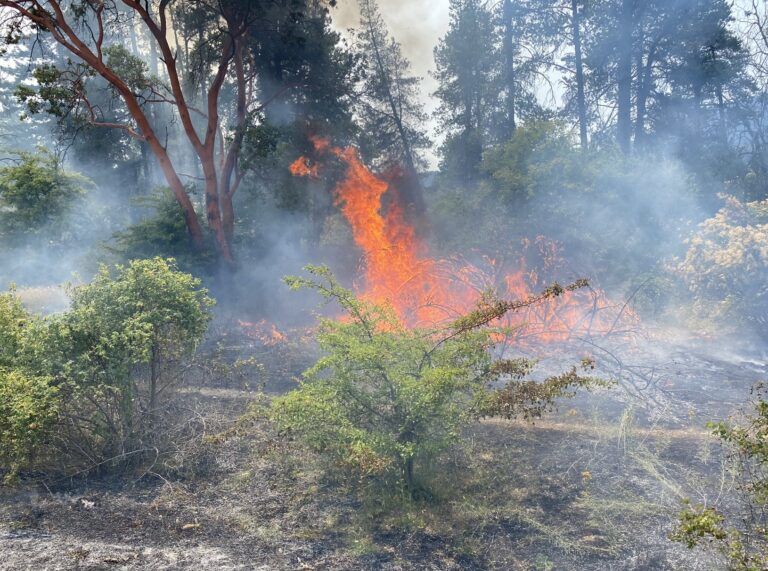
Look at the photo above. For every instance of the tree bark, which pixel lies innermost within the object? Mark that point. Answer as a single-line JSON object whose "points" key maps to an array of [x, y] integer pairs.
{"points": [[624, 77], [581, 105], [410, 482], [229, 179], [644, 87], [509, 75], [153, 378]]}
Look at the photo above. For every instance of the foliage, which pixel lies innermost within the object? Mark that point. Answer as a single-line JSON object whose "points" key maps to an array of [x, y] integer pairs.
{"points": [[36, 194], [91, 378], [465, 60], [13, 319], [522, 168], [385, 399], [530, 399], [615, 217], [742, 540], [726, 264], [390, 114], [162, 232], [53, 95], [28, 401], [136, 314], [28, 412]]}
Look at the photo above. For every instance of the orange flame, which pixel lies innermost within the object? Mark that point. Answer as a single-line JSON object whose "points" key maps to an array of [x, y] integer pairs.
{"points": [[427, 291], [263, 331]]}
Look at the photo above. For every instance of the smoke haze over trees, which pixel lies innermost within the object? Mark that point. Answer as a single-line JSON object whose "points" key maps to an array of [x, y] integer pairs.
{"points": [[476, 185]]}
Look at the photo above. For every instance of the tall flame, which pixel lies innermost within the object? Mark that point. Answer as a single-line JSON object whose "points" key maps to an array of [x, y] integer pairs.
{"points": [[426, 291]]}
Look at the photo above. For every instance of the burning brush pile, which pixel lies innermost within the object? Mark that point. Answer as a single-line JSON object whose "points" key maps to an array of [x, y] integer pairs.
{"points": [[398, 269]]}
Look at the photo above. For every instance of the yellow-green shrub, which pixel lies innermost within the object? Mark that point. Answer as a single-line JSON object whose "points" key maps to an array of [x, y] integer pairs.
{"points": [[28, 410]]}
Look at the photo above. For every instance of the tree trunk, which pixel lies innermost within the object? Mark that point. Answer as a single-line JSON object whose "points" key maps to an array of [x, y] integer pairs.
{"points": [[153, 57], [229, 178], [212, 207], [410, 482], [581, 105], [510, 80], [134, 42], [720, 102], [644, 87], [624, 77], [174, 182]]}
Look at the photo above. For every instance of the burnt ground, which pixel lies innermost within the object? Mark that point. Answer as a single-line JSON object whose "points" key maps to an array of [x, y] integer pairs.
{"points": [[596, 485]]}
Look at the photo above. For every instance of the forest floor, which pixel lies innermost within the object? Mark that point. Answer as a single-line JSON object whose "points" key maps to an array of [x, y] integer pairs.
{"points": [[596, 485]]}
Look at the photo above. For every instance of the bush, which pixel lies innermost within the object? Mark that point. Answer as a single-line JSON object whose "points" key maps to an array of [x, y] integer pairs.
{"points": [[385, 398], [108, 360], [13, 319], [36, 193], [28, 412], [743, 540], [161, 232], [124, 331], [726, 265]]}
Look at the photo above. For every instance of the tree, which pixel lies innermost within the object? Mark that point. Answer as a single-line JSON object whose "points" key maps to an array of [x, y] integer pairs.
{"points": [[391, 116], [528, 34], [303, 68], [581, 104], [36, 194], [624, 75], [465, 61], [750, 119], [308, 75], [383, 398], [664, 65], [88, 31]]}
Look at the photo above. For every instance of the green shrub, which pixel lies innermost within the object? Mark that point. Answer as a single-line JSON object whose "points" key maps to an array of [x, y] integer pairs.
{"points": [[13, 319], [123, 333], [35, 193], [28, 411], [726, 265], [743, 540], [384, 398], [162, 231], [108, 361]]}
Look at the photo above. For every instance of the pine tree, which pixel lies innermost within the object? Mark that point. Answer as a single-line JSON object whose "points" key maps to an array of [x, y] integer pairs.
{"points": [[392, 118], [466, 59]]}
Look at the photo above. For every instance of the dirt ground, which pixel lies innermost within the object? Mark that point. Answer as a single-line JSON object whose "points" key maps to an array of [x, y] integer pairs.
{"points": [[596, 485]]}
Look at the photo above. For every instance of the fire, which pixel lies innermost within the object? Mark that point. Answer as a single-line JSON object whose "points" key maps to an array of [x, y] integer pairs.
{"points": [[426, 291], [264, 331]]}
